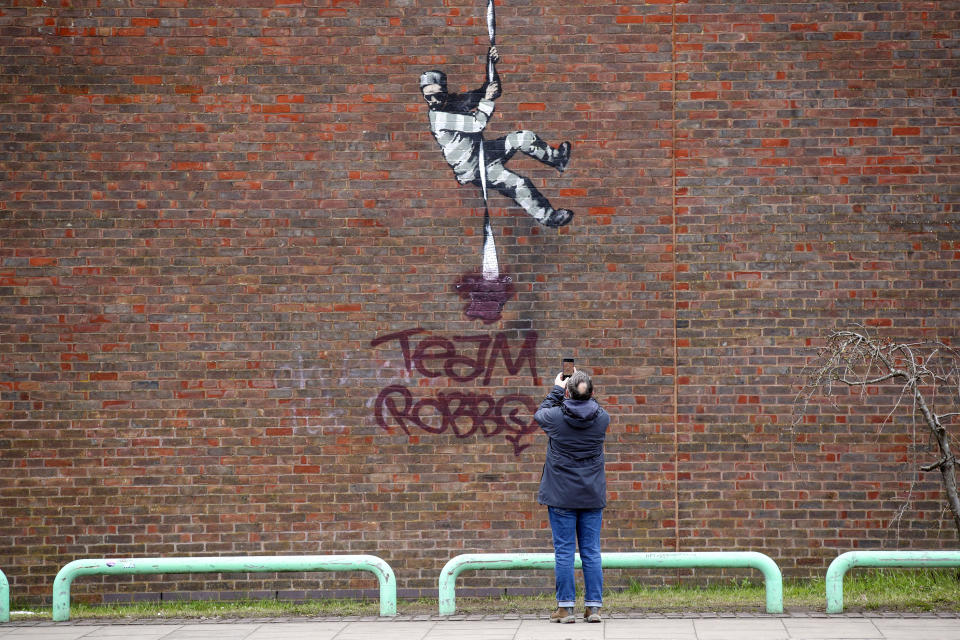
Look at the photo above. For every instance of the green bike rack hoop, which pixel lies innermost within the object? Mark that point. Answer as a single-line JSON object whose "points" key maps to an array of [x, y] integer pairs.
{"points": [[4, 598], [227, 564], [905, 559], [772, 576]]}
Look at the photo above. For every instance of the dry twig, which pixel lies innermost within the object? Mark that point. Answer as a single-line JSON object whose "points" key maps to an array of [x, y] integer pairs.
{"points": [[926, 371]]}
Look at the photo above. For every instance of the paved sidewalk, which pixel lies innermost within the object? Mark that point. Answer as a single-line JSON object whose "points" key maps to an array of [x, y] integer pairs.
{"points": [[697, 627]]}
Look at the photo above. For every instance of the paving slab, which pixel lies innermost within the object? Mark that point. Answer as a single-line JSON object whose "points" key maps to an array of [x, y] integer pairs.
{"points": [[832, 629], [474, 630], [44, 633], [389, 630], [918, 629], [299, 630], [109, 633], [723, 629], [546, 630], [207, 632], [649, 629], [143, 630]]}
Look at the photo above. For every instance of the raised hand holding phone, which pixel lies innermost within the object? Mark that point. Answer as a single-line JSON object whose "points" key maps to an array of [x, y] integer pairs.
{"points": [[566, 370]]}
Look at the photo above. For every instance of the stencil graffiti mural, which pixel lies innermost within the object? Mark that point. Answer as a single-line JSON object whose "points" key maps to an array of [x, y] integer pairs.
{"points": [[463, 359], [457, 122]]}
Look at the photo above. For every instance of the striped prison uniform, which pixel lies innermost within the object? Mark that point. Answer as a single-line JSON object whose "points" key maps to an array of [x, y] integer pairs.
{"points": [[460, 136]]}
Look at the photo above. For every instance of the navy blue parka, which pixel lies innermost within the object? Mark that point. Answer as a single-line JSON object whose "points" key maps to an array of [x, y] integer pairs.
{"points": [[573, 475]]}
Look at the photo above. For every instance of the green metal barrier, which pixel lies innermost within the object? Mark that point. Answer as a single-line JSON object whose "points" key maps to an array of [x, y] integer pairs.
{"points": [[846, 561], [772, 576], [228, 564], [4, 598]]}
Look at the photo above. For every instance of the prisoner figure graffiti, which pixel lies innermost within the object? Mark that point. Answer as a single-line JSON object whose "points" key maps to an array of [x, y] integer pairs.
{"points": [[457, 122]]}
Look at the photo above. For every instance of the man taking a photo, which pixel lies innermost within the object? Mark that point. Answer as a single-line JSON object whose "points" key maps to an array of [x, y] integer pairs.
{"points": [[574, 488]]}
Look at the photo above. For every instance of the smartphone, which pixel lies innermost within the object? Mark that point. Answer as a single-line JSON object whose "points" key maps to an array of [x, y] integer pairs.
{"points": [[567, 367]]}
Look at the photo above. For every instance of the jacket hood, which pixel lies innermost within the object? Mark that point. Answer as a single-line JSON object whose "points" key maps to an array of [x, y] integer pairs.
{"points": [[580, 414]]}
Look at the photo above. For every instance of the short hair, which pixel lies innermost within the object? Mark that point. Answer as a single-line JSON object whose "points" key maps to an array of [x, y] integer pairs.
{"points": [[573, 384]]}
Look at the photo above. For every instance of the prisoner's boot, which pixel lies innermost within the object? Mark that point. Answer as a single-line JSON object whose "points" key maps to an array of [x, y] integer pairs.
{"points": [[563, 157], [557, 218], [563, 616], [592, 614]]}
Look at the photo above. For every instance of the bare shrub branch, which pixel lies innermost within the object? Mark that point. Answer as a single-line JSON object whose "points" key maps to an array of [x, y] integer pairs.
{"points": [[927, 371]]}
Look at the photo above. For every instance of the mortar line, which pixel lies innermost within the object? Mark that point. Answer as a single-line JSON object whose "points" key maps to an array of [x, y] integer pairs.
{"points": [[673, 253]]}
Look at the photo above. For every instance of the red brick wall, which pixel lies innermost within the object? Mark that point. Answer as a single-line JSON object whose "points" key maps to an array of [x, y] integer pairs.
{"points": [[213, 219]]}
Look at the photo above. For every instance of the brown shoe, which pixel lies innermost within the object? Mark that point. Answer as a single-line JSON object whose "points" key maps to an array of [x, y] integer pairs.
{"points": [[563, 616], [592, 614]]}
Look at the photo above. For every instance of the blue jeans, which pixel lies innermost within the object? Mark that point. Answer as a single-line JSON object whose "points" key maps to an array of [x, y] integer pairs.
{"points": [[570, 527]]}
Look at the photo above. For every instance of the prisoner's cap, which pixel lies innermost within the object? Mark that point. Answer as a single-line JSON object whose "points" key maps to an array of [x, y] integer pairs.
{"points": [[433, 77]]}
